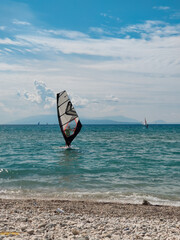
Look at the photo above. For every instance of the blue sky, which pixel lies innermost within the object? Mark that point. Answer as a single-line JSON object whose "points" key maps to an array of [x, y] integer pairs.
{"points": [[114, 57]]}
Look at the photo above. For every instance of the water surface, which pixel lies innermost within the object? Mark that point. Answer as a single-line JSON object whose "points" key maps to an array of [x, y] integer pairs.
{"points": [[124, 163]]}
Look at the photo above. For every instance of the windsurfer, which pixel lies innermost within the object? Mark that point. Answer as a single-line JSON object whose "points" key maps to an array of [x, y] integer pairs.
{"points": [[68, 119], [68, 131]]}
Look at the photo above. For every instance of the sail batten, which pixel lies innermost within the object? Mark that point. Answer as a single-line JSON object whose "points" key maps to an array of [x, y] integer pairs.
{"points": [[63, 103], [69, 122]]}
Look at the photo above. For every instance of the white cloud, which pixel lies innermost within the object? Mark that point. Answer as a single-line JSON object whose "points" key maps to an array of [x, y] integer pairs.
{"points": [[78, 101], [43, 96], [8, 41], [4, 108], [127, 71], [175, 15], [8, 50], [151, 29], [155, 37], [108, 16], [32, 97], [112, 98], [2, 28], [79, 43], [162, 8], [124, 50], [104, 14], [67, 34], [26, 66], [11, 67], [43, 91], [17, 22], [99, 31]]}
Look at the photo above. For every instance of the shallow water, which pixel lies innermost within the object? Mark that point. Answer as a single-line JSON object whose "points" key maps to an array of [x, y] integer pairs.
{"points": [[124, 163]]}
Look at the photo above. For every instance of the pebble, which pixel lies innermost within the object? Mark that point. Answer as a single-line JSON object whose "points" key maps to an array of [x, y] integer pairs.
{"points": [[47, 224], [75, 231], [30, 231]]}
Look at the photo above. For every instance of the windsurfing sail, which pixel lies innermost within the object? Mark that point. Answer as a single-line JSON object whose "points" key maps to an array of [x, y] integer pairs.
{"points": [[68, 119], [145, 123]]}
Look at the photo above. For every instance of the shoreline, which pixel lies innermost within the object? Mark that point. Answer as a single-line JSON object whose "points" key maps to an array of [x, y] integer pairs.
{"points": [[89, 197], [86, 220]]}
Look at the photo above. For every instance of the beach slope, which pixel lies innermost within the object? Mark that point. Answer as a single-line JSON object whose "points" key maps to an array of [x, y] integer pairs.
{"points": [[62, 219]]}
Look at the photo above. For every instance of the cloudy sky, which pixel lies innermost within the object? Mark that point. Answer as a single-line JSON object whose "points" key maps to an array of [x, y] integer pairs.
{"points": [[113, 57]]}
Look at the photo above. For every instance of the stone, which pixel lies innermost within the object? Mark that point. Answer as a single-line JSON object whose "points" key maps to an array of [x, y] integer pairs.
{"points": [[75, 231], [42, 225], [146, 203], [30, 231]]}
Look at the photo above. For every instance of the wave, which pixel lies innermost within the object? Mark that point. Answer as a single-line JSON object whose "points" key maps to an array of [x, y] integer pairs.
{"points": [[117, 197]]}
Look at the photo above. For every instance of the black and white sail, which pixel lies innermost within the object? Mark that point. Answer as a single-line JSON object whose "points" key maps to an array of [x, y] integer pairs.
{"points": [[68, 119]]}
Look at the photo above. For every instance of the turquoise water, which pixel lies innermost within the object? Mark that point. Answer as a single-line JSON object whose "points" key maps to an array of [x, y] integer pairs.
{"points": [[122, 163]]}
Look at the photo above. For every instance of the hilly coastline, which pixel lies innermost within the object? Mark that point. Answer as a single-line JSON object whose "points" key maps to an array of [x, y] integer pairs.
{"points": [[52, 119]]}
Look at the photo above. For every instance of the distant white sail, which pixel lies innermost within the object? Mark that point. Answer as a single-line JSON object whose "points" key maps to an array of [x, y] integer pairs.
{"points": [[145, 123], [68, 119]]}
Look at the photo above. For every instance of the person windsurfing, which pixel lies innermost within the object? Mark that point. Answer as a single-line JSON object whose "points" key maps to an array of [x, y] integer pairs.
{"points": [[69, 122]]}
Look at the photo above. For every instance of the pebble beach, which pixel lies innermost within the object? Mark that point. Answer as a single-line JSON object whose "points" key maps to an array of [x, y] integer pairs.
{"points": [[34, 219]]}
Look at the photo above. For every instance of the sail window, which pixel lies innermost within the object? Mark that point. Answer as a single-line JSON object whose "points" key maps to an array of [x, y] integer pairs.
{"points": [[70, 128]]}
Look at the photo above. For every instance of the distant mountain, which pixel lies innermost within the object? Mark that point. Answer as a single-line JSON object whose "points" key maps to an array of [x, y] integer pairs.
{"points": [[123, 119], [104, 121], [52, 119], [159, 122], [110, 120], [42, 119]]}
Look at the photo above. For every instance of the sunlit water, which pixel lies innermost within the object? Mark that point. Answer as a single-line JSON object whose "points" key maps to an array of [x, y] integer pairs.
{"points": [[122, 163]]}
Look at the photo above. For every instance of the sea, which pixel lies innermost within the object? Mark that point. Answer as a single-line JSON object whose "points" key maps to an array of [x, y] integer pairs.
{"points": [[107, 163]]}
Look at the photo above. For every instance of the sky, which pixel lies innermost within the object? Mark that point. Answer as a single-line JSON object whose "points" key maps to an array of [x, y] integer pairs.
{"points": [[114, 58]]}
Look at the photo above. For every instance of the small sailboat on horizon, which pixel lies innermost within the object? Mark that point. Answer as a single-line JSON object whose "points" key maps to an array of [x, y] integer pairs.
{"points": [[145, 123]]}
